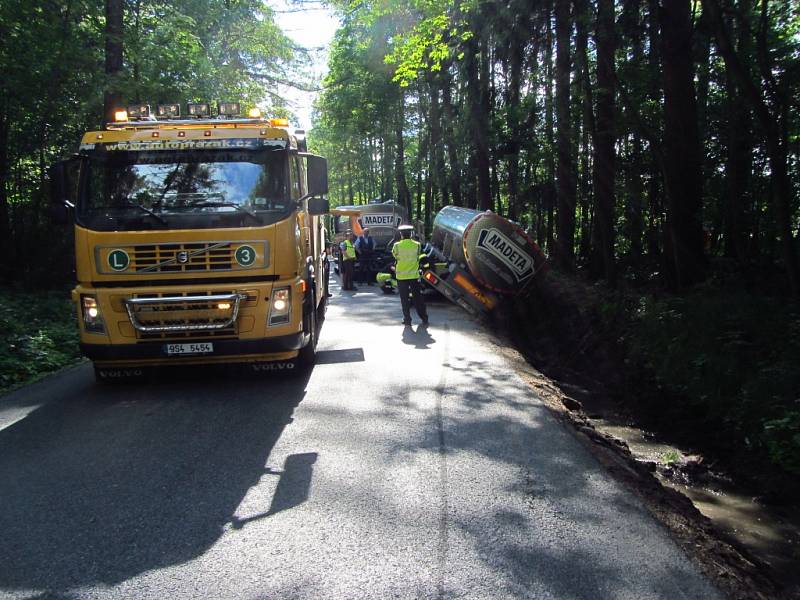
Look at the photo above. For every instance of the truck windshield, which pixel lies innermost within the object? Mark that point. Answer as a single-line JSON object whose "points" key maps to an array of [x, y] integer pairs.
{"points": [[201, 189]]}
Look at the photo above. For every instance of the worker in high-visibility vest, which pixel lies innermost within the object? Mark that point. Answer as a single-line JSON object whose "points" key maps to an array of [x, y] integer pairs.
{"points": [[406, 252], [348, 261]]}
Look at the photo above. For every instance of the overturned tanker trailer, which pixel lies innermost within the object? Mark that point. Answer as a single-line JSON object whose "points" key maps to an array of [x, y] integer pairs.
{"points": [[486, 257]]}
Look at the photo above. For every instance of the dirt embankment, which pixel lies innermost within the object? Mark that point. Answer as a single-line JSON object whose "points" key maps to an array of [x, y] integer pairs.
{"points": [[583, 369]]}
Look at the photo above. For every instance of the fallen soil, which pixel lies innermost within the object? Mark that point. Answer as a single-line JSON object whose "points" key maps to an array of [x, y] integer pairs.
{"points": [[584, 381]]}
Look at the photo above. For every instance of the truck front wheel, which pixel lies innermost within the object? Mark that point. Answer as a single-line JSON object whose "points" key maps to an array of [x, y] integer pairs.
{"points": [[308, 353]]}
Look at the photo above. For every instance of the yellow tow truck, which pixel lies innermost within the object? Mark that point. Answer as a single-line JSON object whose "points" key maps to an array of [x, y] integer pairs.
{"points": [[198, 239]]}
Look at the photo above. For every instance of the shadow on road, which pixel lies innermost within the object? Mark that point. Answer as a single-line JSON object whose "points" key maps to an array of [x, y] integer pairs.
{"points": [[420, 338], [345, 355], [574, 530], [107, 482], [293, 487]]}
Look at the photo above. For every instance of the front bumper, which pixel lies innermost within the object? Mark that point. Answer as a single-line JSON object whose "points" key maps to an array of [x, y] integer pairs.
{"points": [[274, 348]]}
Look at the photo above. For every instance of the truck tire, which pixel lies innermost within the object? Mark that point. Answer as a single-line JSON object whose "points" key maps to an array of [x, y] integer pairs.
{"points": [[308, 353]]}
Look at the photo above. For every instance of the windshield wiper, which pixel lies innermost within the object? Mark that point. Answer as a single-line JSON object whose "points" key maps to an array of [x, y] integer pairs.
{"points": [[206, 204], [148, 211]]}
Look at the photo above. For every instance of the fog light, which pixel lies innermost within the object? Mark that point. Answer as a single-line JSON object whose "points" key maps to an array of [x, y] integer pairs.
{"points": [[224, 305]]}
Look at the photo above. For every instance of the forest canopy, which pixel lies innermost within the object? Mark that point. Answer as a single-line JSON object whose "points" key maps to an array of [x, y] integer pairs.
{"points": [[623, 135], [54, 60]]}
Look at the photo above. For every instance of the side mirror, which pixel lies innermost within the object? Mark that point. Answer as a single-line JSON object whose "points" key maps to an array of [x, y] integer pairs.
{"points": [[317, 175], [63, 183], [318, 206]]}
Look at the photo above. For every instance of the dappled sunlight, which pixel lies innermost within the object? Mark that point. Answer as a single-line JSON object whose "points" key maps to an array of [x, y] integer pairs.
{"points": [[414, 471]]}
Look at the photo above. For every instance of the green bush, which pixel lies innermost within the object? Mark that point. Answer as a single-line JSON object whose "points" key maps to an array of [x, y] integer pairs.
{"points": [[732, 364], [38, 335], [783, 440]]}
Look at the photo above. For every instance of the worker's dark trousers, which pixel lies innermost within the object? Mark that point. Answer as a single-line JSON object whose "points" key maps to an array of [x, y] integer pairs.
{"points": [[409, 289], [347, 274]]}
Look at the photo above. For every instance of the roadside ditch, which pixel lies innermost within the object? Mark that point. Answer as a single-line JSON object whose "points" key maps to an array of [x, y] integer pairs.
{"points": [[741, 528]]}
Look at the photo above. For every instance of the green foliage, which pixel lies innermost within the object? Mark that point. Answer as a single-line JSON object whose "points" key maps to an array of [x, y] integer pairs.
{"points": [[671, 457], [38, 335], [783, 440], [356, 114], [731, 361], [206, 50], [53, 81]]}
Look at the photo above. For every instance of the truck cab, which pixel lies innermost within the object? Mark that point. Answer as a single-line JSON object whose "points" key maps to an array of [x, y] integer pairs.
{"points": [[197, 240]]}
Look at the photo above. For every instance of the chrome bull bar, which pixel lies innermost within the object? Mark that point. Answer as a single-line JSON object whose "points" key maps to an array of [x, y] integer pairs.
{"points": [[131, 304]]}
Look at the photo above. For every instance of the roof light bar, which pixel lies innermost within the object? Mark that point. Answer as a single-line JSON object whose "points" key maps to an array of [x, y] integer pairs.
{"points": [[120, 116], [254, 113], [139, 111], [168, 111], [199, 109], [229, 109], [279, 122]]}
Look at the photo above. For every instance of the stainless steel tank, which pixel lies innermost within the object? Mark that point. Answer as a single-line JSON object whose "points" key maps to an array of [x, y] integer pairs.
{"points": [[497, 252]]}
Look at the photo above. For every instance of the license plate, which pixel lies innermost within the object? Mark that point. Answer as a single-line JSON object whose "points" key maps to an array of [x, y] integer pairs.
{"points": [[199, 348]]}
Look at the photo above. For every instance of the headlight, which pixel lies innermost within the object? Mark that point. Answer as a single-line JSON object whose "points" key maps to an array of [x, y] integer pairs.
{"points": [[92, 319], [281, 308]]}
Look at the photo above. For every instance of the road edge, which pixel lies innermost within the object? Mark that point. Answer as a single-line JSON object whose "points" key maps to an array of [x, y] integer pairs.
{"points": [[732, 569]]}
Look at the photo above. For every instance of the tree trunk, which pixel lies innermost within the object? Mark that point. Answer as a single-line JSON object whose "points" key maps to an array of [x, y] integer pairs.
{"points": [[635, 192], [739, 164], [583, 17], [481, 127], [654, 191], [549, 130], [604, 152], [684, 264], [435, 125], [516, 57], [422, 153], [565, 251], [454, 183], [773, 125], [403, 195], [113, 39], [349, 168], [634, 202], [7, 264]]}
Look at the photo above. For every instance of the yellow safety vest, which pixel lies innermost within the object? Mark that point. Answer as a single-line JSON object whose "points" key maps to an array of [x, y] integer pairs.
{"points": [[349, 250], [406, 252]]}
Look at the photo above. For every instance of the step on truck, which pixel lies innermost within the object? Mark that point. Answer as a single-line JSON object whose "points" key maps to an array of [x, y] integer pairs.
{"points": [[198, 239]]}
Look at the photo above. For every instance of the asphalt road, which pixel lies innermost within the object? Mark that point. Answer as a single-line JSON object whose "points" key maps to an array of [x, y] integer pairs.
{"points": [[407, 464]]}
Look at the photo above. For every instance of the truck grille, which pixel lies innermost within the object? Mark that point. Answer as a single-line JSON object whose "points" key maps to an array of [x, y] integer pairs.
{"points": [[182, 258]]}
